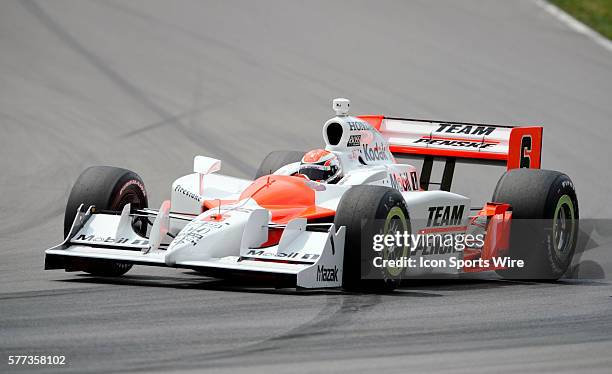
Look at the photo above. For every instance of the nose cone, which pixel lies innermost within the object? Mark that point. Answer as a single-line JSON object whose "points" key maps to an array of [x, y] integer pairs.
{"points": [[205, 238]]}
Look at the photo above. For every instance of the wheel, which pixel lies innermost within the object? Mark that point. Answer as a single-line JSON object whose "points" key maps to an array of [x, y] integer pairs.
{"points": [[108, 188], [544, 228], [367, 211], [276, 160]]}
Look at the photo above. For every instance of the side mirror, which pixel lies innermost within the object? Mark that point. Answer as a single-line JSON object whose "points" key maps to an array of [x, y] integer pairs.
{"points": [[206, 165]]}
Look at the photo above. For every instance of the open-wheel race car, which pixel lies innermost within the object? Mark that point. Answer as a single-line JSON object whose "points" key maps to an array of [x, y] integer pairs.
{"points": [[309, 219]]}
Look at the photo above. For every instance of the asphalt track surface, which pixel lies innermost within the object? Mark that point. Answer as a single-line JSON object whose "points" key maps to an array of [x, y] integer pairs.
{"points": [[147, 85]]}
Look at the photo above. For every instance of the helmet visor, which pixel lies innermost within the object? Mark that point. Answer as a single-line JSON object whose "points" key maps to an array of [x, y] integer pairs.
{"points": [[316, 174]]}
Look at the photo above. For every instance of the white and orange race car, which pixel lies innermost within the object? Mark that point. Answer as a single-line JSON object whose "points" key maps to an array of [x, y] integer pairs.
{"points": [[312, 219]]}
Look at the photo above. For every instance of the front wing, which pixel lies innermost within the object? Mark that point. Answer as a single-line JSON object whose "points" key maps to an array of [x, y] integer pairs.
{"points": [[109, 236]]}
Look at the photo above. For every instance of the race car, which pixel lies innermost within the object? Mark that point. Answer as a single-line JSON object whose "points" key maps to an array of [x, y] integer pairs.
{"points": [[312, 219]]}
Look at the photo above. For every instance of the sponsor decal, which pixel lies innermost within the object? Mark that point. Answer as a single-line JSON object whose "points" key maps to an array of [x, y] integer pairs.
{"points": [[187, 193], [195, 231], [110, 240], [327, 274], [377, 152], [415, 180], [253, 252], [465, 129], [404, 181], [358, 126], [354, 141], [132, 182], [400, 181], [445, 215], [291, 255], [456, 143]]}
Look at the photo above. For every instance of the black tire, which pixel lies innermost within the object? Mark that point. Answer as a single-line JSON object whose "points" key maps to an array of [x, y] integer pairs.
{"points": [[365, 211], [541, 201], [107, 188], [276, 160]]}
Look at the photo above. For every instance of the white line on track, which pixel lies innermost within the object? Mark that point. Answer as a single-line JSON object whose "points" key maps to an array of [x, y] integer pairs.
{"points": [[574, 24]]}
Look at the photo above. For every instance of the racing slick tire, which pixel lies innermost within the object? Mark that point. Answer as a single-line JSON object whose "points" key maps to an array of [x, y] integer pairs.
{"points": [[276, 160], [366, 211], [544, 229], [108, 188]]}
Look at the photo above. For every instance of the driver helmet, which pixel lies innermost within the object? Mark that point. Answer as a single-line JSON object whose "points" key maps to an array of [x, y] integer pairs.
{"points": [[321, 166]]}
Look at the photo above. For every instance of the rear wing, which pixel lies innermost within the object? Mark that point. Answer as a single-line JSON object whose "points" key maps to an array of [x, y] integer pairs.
{"points": [[510, 146]]}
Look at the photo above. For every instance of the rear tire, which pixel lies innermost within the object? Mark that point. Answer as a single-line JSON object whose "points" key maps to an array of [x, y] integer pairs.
{"points": [[108, 188], [276, 160], [544, 229], [366, 211]]}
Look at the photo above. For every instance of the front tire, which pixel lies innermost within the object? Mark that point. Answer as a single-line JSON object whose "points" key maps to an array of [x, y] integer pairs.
{"points": [[108, 188], [366, 211], [544, 229]]}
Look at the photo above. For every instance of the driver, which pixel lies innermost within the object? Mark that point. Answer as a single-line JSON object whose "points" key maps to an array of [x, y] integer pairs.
{"points": [[321, 166]]}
